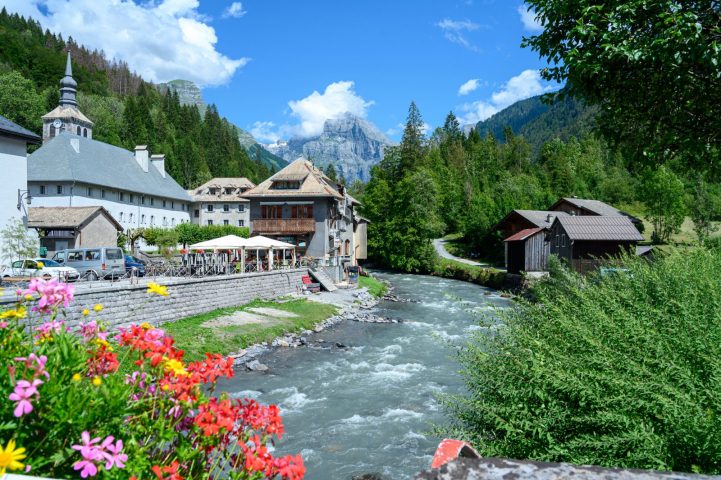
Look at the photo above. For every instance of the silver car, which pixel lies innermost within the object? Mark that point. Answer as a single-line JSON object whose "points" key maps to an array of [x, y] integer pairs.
{"points": [[94, 263]]}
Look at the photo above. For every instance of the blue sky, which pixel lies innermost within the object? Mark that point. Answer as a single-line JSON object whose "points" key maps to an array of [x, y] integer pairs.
{"points": [[280, 67]]}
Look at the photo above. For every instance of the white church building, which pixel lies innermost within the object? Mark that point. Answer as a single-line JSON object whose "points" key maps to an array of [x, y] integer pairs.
{"points": [[73, 170]]}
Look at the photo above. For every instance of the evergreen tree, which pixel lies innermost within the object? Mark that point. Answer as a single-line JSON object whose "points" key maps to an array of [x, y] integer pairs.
{"points": [[330, 172], [413, 143]]}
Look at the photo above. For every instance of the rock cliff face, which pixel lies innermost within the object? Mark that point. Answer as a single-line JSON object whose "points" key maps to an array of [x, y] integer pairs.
{"points": [[353, 145], [190, 94]]}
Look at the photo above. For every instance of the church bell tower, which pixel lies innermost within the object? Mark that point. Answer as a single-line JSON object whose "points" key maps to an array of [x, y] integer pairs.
{"points": [[66, 118]]}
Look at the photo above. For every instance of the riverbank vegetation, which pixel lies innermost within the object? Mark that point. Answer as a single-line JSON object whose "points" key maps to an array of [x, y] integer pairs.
{"points": [[375, 287], [619, 371], [229, 330]]}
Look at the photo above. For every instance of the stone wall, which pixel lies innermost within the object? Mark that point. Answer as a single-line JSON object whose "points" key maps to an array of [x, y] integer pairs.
{"points": [[125, 304], [503, 469]]}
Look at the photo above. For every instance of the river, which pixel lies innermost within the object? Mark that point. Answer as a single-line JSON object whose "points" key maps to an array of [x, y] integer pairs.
{"points": [[368, 408]]}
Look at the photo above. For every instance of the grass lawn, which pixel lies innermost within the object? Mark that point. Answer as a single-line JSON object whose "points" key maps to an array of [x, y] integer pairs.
{"points": [[196, 338], [375, 287]]}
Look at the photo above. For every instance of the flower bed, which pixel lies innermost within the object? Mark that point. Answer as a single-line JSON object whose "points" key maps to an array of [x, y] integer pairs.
{"points": [[86, 403]]}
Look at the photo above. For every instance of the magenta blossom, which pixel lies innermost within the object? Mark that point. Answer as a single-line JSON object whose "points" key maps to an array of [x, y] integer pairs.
{"points": [[91, 453], [35, 363], [113, 455], [52, 293], [47, 329], [23, 394]]}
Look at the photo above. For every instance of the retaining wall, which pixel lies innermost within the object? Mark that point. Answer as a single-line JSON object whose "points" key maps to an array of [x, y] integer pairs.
{"points": [[125, 304]]}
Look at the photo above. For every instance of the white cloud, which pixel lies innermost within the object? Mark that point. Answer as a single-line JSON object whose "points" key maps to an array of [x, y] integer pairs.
{"points": [[469, 87], [312, 111], [528, 18], [520, 87], [161, 40], [234, 10], [337, 99], [455, 31]]}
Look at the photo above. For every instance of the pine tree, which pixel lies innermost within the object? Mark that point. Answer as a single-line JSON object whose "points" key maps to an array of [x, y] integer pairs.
{"points": [[413, 143], [330, 172]]}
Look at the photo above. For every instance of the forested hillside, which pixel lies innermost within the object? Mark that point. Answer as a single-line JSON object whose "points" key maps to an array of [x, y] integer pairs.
{"points": [[539, 121], [127, 111]]}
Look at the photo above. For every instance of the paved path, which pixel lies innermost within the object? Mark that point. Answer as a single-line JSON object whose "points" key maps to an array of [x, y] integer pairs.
{"points": [[440, 246]]}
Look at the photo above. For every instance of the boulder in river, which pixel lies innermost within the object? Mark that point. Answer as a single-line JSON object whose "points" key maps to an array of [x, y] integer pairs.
{"points": [[256, 366], [370, 476]]}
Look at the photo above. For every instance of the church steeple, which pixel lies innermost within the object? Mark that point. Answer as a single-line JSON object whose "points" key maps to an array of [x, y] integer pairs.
{"points": [[68, 86], [66, 118]]}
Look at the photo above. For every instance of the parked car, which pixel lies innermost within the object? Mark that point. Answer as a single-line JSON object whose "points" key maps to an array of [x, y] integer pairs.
{"points": [[132, 262], [40, 267], [94, 263]]}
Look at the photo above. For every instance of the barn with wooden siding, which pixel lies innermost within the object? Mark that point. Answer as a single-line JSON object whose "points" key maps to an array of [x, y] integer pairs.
{"points": [[519, 220], [527, 251], [585, 242]]}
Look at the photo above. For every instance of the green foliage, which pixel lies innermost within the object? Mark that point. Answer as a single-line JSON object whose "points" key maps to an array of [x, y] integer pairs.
{"points": [[621, 371], [17, 242], [330, 172], [663, 195], [487, 277], [651, 65], [195, 338], [20, 102], [375, 287], [704, 207], [188, 234]]}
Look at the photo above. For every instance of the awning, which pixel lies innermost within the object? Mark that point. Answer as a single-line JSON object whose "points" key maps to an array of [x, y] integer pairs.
{"points": [[229, 242]]}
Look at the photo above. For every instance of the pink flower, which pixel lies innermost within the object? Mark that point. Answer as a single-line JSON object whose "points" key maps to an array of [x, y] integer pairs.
{"points": [[91, 453], [3, 324], [113, 455], [35, 363], [52, 293], [47, 329], [24, 391]]}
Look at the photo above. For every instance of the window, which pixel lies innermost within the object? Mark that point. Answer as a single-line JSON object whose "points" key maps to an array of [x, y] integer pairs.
{"points": [[271, 211], [172, 205], [210, 207], [102, 193], [142, 200], [142, 219], [213, 191], [241, 208], [122, 196], [226, 222], [52, 131], [226, 208], [121, 216], [563, 239], [79, 131], [42, 189], [229, 191], [90, 191], [152, 201], [210, 222], [301, 211], [165, 222], [131, 217], [152, 219], [172, 222], [60, 189], [113, 254], [131, 198], [165, 203], [85, 132], [91, 255], [241, 223], [197, 213], [285, 185]]}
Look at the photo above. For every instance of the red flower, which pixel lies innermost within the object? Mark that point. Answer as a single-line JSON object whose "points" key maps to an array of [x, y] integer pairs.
{"points": [[290, 467], [262, 418], [213, 367], [169, 472]]}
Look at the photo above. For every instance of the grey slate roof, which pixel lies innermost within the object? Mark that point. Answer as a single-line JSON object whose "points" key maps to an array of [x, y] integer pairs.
{"points": [[602, 228], [12, 129], [99, 163], [595, 206], [65, 217], [540, 218]]}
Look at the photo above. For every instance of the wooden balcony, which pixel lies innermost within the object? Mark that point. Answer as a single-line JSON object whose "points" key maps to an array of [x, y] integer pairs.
{"points": [[283, 226]]}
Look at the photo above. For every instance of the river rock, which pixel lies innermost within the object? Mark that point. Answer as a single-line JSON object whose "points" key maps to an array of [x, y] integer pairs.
{"points": [[256, 366], [282, 343], [370, 476]]}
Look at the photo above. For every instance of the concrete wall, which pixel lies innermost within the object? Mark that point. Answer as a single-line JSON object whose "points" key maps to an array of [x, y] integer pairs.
{"points": [[125, 304], [13, 165], [129, 215], [99, 232]]}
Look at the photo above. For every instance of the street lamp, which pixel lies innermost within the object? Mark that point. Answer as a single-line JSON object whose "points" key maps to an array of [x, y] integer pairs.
{"points": [[23, 194]]}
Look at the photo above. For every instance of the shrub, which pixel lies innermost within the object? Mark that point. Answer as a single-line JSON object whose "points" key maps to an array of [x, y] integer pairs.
{"points": [[81, 402], [620, 371]]}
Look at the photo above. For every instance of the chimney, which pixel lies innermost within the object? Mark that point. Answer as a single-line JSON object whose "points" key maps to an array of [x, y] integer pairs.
{"points": [[158, 161], [549, 217], [141, 156]]}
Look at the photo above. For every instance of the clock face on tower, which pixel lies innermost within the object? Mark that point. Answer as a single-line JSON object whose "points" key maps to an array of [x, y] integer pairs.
{"points": [[57, 123]]}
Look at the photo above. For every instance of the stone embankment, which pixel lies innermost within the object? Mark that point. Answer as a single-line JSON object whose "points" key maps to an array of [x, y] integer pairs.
{"points": [[358, 311]]}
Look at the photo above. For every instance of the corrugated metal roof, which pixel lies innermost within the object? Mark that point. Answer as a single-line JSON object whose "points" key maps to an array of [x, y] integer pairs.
{"points": [[98, 163], [612, 227], [523, 234], [595, 206], [64, 217], [14, 130], [540, 218]]}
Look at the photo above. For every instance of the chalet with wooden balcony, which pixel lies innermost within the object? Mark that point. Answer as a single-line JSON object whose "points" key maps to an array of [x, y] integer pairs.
{"points": [[302, 206]]}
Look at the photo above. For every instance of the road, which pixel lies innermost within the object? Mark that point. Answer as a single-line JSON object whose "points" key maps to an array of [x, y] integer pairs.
{"points": [[439, 245]]}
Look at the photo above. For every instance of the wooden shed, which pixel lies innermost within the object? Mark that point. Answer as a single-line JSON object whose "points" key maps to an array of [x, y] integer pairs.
{"points": [[519, 220], [585, 242], [527, 251]]}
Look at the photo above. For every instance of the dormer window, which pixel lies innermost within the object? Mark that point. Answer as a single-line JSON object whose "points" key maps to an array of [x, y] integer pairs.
{"points": [[213, 191], [285, 185], [229, 191]]}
